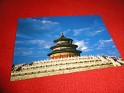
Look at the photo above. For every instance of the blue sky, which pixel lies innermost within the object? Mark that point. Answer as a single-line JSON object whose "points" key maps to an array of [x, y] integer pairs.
{"points": [[34, 36]]}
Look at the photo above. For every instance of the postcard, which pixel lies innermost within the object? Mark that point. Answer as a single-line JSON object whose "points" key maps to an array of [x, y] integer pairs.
{"points": [[55, 45]]}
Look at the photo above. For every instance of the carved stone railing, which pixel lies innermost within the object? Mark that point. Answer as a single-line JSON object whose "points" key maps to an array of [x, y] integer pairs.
{"points": [[62, 65]]}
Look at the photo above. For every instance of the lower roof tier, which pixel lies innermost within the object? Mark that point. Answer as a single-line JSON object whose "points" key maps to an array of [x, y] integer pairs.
{"points": [[62, 51]]}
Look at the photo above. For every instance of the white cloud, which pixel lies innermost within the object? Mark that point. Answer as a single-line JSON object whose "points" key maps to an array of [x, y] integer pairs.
{"points": [[78, 31], [42, 43], [26, 53], [82, 45], [66, 31], [111, 52], [47, 24], [23, 36], [93, 33], [19, 42], [39, 42], [113, 46], [39, 25], [96, 28], [103, 43], [92, 30], [23, 53]]}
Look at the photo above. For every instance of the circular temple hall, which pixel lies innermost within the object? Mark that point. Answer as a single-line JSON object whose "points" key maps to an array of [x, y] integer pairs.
{"points": [[63, 48]]}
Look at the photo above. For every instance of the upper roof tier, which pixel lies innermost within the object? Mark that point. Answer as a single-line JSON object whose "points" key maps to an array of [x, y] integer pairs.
{"points": [[62, 38]]}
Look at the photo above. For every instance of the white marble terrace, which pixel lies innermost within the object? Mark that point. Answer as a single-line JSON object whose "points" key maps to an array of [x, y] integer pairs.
{"points": [[50, 67]]}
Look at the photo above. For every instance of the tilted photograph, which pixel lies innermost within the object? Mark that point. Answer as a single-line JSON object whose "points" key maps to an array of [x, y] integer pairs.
{"points": [[56, 45]]}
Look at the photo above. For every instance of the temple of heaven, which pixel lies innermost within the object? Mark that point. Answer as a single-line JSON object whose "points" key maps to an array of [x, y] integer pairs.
{"points": [[63, 48]]}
